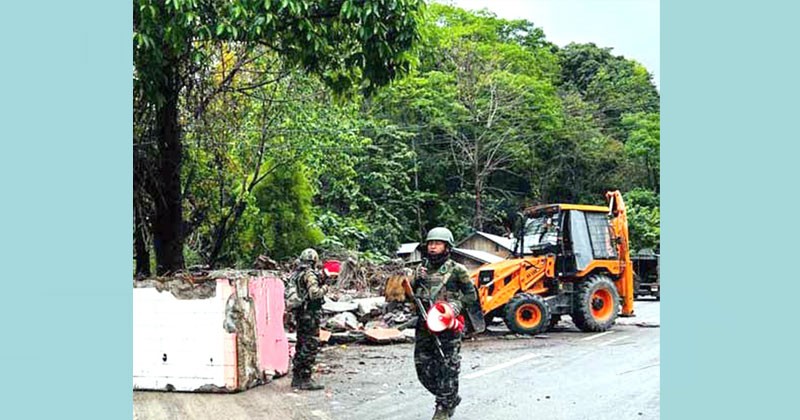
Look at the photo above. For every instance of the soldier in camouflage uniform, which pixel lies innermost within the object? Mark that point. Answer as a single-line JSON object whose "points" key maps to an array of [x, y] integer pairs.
{"points": [[307, 317], [439, 278]]}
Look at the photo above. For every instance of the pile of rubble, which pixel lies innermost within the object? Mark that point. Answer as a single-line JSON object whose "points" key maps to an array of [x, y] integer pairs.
{"points": [[369, 319], [366, 304]]}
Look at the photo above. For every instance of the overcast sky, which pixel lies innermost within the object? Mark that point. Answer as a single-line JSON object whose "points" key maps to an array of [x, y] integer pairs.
{"points": [[630, 27]]}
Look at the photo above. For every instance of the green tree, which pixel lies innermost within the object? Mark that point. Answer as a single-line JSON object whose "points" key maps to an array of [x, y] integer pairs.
{"points": [[346, 42], [616, 85], [282, 221], [643, 146], [644, 218]]}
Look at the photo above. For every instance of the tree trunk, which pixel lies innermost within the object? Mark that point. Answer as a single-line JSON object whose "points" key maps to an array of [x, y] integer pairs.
{"points": [[478, 187], [140, 246], [223, 231], [478, 216], [168, 220]]}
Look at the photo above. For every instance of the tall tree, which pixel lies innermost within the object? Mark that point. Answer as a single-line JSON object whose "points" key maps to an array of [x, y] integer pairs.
{"points": [[614, 84], [643, 146], [346, 42]]}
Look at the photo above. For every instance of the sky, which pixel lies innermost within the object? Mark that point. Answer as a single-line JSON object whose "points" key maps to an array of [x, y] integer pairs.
{"points": [[630, 27]]}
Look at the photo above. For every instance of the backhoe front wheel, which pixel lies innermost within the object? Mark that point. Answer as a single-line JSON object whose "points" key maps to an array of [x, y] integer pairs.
{"points": [[527, 313], [596, 304]]}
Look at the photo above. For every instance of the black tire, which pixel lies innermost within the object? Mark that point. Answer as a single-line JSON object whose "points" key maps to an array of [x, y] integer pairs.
{"points": [[528, 314], [637, 281], [596, 304]]}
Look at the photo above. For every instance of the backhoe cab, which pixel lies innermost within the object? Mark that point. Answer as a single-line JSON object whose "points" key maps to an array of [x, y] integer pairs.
{"points": [[570, 259]]}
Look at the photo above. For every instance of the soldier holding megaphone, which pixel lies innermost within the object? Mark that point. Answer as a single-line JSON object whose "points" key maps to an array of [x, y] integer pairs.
{"points": [[443, 289]]}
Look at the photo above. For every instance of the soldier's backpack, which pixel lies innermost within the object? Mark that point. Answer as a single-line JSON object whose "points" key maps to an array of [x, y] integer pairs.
{"points": [[292, 294]]}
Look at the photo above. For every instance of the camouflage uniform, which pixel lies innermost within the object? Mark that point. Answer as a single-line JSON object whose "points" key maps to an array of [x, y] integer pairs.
{"points": [[438, 376], [307, 317]]}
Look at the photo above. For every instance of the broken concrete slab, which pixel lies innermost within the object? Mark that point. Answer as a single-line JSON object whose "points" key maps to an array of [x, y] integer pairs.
{"points": [[409, 334], [324, 336], [221, 334], [180, 288], [370, 305], [342, 322], [337, 307], [378, 323], [384, 335]]}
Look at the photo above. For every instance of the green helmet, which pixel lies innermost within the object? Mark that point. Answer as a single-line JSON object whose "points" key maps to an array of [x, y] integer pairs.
{"points": [[309, 255], [441, 234]]}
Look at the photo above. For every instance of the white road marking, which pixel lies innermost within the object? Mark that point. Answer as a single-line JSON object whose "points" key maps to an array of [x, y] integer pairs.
{"points": [[592, 337], [503, 365]]}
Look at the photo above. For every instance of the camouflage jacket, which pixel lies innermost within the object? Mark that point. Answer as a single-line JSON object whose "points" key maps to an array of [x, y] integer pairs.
{"points": [[457, 290], [312, 289]]}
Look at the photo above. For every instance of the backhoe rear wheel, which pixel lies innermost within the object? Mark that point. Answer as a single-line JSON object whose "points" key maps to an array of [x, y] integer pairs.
{"points": [[596, 304], [527, 313]]}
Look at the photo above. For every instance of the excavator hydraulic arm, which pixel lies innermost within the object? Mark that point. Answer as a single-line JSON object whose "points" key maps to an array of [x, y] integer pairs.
{"points": [[619, 223]]}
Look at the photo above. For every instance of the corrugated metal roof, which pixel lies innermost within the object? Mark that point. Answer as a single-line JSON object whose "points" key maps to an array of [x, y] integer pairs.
{"points": [[408, 248], [506, 243], [482, 256]]}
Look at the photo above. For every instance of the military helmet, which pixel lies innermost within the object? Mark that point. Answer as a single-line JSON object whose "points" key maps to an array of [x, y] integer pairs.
{"points": [[441, 234], [309, 255]]}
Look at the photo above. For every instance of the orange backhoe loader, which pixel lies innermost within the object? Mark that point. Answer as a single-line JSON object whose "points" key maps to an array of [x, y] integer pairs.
{"points": [[569, 259]]}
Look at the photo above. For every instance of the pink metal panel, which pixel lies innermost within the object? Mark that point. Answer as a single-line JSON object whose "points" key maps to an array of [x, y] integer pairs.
{"points": [[273, 346]]}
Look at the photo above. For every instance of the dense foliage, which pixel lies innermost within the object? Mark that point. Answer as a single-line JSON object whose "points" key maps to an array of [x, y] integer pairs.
{"points": [[269, 126]]}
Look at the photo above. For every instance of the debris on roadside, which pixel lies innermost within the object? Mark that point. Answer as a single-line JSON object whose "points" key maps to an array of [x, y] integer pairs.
{"points": [[336, 306], [365, 304], [344, 321], [384, 335], [324, 336], [409, 334], [370, 306]]}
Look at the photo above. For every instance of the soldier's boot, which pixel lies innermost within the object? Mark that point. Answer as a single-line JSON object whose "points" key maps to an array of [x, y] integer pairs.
{"points": [[310, 385], [441, 413], [296, 381], [452, 409]]}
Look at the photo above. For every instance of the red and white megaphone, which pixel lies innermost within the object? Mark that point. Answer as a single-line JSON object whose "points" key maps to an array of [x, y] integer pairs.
{"points": [[441, 317], [332, 268]]}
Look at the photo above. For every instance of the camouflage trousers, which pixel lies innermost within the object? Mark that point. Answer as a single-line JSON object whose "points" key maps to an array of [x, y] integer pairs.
{"points": [[439, 376], [307, 345]]}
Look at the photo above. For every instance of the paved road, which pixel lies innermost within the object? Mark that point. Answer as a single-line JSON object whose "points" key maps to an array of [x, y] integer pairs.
{"points": [[566, 374]]}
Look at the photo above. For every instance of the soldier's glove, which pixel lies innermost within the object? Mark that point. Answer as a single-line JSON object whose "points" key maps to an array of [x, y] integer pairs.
{"points": [[459, 324], [421, 276]]}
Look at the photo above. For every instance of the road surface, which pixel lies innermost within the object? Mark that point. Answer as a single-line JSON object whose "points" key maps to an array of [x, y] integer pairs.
{"points": [[564, 374]]}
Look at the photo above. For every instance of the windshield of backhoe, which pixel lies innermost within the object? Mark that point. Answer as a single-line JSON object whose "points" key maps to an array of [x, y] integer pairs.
{"points": [[540, 231]]}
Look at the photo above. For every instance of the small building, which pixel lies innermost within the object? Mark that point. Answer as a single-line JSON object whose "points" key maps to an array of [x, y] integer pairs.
{"points": [[486, 242], [473, 251], [473, 259], [409, 252]]}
